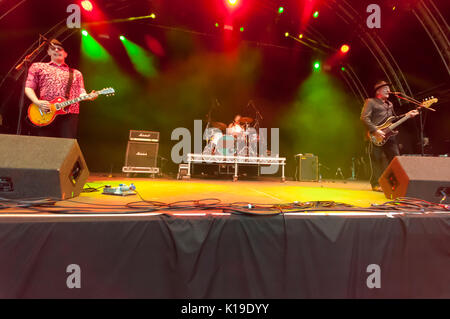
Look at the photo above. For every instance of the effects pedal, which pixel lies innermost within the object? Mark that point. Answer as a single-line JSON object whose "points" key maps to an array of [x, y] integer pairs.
{"points": [[122, 190]]}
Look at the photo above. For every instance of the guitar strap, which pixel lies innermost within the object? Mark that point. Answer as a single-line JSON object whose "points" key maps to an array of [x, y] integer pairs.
{"points": [[69, 84]]}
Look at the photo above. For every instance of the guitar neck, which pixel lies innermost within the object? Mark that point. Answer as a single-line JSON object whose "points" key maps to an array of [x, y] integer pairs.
{"points": [[62, 105], [399, 122]]}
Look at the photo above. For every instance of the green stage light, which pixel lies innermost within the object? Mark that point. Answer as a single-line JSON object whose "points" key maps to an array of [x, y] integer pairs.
{"points": [[216, 24], [92, 50], [280, 10], [85, 33], [242, 29], [316, 65], [316, 14], [122, 38], [343, 69], [141, 59]]}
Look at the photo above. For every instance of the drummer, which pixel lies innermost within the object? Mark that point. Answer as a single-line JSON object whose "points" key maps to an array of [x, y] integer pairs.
{"points": [[235, 128]]}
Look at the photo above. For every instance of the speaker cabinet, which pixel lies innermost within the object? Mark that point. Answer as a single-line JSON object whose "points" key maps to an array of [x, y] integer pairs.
{"points": [[420, 177], [307, 167], [32, 166], [141, 154]]}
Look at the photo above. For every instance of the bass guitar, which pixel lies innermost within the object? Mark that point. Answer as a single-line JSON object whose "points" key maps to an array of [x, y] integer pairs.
{"points": [[57, 107], [388, 127]]}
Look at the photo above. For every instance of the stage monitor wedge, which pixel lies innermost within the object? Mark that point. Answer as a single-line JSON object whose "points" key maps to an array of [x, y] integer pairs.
{"points": [[420, 177], [36, 167]]}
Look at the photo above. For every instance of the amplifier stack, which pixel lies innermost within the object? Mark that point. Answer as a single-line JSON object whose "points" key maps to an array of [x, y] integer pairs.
{"points": [[142, 153]]}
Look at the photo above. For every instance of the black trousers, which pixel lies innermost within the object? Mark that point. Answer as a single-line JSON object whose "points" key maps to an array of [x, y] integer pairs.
{"points": [[390, 150], [65, 126]]}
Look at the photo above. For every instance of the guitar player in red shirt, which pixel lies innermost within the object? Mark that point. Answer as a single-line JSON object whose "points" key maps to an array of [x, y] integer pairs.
{"points": [[54, 79]]}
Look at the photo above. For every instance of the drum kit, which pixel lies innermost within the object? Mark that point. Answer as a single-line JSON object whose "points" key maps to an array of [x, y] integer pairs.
{"points": [[237, 140]]}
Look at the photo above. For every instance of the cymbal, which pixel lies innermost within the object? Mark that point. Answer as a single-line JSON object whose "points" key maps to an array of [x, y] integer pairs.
{"points": [[219, 125], [246, 120]]}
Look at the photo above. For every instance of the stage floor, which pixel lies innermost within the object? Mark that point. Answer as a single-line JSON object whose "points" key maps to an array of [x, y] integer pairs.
{"points": [[261, 191]]}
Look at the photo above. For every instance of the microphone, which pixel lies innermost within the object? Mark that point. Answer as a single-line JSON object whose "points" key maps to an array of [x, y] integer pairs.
{"points": [[44, 40]]}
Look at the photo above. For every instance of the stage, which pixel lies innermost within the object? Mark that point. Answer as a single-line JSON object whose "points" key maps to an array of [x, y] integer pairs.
{"points": [[186, 240]]}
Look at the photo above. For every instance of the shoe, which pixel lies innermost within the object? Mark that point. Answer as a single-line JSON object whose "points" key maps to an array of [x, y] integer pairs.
{"points": [[377, 188]]}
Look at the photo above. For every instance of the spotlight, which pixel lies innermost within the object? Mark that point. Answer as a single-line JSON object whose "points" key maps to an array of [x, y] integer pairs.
{"points": [[280, 10], [286, 34], [153, 16], [241, 29], [316, 14], [343, 69], [216, 24], [122, 38], [317, 65], [85, 33], [345, 48], [232, 2], [87, 5], [300, 36]]}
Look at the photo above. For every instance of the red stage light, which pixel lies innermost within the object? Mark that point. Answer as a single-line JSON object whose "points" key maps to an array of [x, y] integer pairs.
{"points": [[345, 48], [87, 5]]}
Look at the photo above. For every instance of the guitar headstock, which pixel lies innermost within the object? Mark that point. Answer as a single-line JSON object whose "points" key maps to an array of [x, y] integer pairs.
{"points": [[429, 101], [107, 91]]}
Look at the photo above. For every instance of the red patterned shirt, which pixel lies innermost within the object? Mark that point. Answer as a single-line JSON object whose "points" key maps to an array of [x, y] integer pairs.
{"points": [[51, 79]]}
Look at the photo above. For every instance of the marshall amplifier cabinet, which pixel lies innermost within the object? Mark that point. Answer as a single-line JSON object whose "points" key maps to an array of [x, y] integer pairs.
{"points": [[144, 136], [142, 153]]}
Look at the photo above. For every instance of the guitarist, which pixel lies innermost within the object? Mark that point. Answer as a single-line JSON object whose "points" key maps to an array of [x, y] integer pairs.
{"points": [[376, 111], [54, 79]]}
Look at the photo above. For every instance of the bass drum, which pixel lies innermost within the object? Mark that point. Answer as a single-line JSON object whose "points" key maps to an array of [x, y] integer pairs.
{"points": [[225, 146]]}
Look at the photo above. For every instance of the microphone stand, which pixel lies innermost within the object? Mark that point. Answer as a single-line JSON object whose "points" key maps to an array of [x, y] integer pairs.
{"points": [[24, 66], [320, 173], [257, 114], [422, 122], [422, 125]]}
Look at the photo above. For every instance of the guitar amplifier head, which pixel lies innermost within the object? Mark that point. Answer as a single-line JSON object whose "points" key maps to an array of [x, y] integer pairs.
{"points": [[144, 136]]}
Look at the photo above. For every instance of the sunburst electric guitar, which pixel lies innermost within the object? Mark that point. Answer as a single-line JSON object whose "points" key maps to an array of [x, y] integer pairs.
{"points": [[388, 127], [40, 118]]}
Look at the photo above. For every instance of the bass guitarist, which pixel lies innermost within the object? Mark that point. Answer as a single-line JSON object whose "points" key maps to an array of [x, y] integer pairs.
{"points": [[54, 79], [376, 111]]}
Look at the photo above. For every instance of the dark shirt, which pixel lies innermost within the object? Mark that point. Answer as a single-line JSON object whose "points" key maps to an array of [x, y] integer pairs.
{"points": [[375, 112]]}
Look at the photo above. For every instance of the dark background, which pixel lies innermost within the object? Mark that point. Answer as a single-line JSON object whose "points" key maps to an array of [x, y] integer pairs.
{"points": [[196, 63]]}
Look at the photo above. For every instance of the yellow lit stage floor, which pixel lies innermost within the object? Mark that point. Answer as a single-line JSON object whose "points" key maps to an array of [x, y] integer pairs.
{"points": [[223, 191], [263, 190]]}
